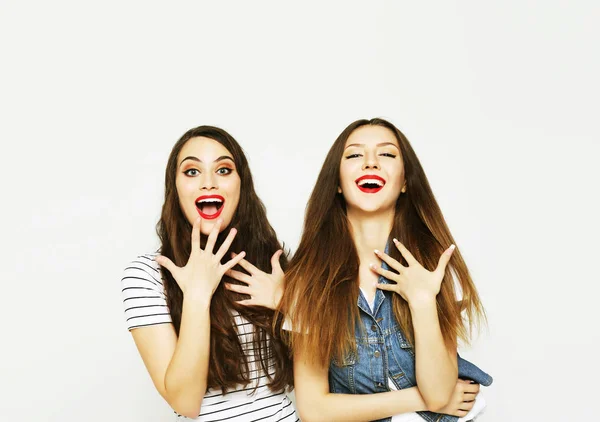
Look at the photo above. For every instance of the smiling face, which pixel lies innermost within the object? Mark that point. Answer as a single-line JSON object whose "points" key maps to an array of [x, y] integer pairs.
{"points": [[207, 181], [371, 170]]}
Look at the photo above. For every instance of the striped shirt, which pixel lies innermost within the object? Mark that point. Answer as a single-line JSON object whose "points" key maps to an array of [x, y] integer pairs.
{"points": [[145, 305]]}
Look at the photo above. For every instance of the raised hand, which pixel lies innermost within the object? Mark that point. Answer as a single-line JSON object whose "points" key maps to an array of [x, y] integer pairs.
{"points": [[462, 399], [203, 271], [264, 289], [413, 282]]}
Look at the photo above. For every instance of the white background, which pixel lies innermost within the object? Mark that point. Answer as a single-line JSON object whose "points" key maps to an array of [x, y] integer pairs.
{"points": [[499, 99]]}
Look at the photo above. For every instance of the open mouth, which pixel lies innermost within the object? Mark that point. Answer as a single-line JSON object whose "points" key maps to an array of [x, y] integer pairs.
{"points": [[370, 183], [210, 206]]}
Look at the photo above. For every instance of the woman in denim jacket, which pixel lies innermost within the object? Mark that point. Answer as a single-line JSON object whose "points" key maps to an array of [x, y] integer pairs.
{"points": [[371, 291]]}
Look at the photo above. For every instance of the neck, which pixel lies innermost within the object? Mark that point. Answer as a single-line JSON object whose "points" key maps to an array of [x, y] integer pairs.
{"points": [[370, 231]]}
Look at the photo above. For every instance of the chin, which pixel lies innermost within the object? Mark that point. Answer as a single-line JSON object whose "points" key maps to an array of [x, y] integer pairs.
{"points": [[206, 226], [370, 208]]}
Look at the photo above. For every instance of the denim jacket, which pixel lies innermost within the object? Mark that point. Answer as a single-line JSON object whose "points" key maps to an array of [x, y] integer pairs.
{"points": [[383, 352]]}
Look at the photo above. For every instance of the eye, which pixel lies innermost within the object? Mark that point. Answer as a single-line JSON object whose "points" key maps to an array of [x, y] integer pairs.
{"points": [[224, 171], [191, 172], [356, 155], [388, 154]]}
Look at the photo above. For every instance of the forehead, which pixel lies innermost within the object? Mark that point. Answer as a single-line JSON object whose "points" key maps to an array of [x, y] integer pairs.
{"points": [[205, 149], [372, 135]]}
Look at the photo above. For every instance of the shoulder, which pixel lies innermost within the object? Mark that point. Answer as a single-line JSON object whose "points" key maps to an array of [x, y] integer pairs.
{"points": [[144, 263], [143, 292], [143, 270]]}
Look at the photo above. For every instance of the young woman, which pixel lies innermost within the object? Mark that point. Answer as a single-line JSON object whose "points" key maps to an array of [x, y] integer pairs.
{"points": [[209, 356], [362, 327]]}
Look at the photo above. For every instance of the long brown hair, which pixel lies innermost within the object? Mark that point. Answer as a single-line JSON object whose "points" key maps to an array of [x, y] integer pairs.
{"points": [[228, 365], [322, 278]]}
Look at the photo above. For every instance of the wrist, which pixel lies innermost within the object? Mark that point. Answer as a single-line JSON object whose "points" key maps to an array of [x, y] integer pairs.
{"points": [[422, 303], [277, 297], [200, 298]]}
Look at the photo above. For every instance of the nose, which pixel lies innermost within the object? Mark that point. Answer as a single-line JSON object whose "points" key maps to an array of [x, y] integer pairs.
{"points": [[370, 161], [208, 181]]}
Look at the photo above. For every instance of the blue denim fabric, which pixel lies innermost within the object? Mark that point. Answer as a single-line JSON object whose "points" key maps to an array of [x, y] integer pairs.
{"points": [[383, 352]]}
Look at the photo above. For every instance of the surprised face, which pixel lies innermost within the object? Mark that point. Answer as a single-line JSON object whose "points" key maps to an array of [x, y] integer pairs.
{"points": [[207, 182]]}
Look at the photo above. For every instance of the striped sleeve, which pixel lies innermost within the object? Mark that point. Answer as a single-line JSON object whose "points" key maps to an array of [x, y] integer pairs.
{"points": [[143, 293]]}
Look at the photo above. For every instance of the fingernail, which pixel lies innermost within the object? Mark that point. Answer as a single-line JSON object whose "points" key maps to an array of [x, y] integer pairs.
{"points": [[395, 240], [451, 248], [376, 252], [372, 266]]}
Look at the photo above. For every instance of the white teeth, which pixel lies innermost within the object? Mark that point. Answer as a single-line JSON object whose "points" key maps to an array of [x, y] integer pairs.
{"points": [[371, 181], [208, 200]]}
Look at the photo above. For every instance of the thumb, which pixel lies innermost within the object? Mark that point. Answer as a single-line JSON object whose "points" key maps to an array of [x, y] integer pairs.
{"points": [[444, 259], [275, 265], [163, 261]]}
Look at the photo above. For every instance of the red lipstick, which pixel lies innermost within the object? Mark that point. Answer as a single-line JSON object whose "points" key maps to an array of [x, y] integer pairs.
{"points": [[370, 183], [210, 206]]}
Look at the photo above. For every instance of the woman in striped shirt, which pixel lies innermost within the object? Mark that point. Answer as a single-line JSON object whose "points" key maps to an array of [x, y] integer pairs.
{"points": [[210, 352]]}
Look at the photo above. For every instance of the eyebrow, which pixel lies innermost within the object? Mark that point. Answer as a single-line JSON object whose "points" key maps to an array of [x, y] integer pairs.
{"points": [[379, 145], [221, 158]]}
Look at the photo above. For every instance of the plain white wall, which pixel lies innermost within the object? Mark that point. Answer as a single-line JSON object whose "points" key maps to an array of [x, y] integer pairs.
{"points": [[500, 101]]}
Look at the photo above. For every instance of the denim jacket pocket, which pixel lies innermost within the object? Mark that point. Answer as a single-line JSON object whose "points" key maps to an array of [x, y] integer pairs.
{"points": [[404, 344], [341, 374]]}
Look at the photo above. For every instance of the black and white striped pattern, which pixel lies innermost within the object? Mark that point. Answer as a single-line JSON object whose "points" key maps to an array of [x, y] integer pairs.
{"points": [[145, 305]]}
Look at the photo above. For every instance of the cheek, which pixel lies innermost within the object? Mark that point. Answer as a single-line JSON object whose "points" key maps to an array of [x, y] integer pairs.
{"points": [[184, 194], [345, 175], [397, 174], [233, 190]]}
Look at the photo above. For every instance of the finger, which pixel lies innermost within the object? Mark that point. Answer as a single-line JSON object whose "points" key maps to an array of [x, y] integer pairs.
{"points": [[444, 259], [386, 273], [410, 259], [390, 261], [226, 244], [240, 276], [248, 266], [237, 288], [387, 287], [233, 262], [275, 265], [163, 261], [460, 413], [212, 237], [466, 406], [196, 235], [247, 302], [472, 388]]}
